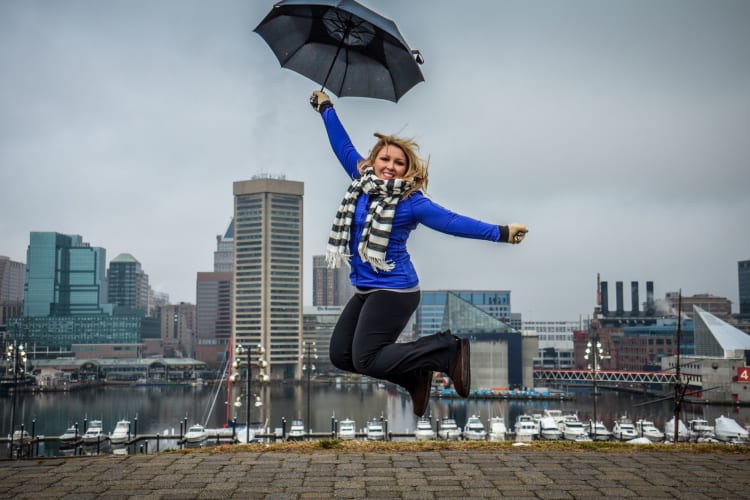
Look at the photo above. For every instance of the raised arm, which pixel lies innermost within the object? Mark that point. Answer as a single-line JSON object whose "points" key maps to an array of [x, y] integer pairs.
{"points": [[340, 142]]}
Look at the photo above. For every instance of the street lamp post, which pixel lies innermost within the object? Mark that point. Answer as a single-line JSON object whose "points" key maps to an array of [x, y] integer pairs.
{"points": [[594, 351], [15, 357], [235, 377], [311, 354]]}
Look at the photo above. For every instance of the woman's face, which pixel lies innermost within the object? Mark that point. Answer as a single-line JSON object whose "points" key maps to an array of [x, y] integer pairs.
{"points": [[390, 163]]}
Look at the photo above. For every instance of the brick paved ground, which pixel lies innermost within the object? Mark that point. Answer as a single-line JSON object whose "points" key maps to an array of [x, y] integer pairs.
{"points": [[517, 472]]}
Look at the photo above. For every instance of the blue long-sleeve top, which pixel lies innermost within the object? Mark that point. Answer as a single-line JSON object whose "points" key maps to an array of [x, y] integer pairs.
{"points": [[411, 211]]}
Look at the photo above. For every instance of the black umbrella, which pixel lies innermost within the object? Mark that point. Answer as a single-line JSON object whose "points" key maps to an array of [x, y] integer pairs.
{"points": [[342, 45]]}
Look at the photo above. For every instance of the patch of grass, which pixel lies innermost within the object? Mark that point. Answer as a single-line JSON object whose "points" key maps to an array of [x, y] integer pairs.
{"points": [[328, 444], [342, 446]]}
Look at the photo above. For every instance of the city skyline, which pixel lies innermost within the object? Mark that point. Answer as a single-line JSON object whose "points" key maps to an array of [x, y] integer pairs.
{"points": [[614, 131]]}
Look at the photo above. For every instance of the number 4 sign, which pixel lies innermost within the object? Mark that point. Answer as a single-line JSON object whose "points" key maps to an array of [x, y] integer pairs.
{"points": [[743, 374]]}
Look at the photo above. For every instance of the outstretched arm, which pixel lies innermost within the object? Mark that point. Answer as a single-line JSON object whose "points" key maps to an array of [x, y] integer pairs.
{"points": [[340, 142], [441, 219]]}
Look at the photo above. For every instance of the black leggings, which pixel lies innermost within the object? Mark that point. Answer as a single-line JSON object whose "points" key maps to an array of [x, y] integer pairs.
{"points": [[364, 340]]}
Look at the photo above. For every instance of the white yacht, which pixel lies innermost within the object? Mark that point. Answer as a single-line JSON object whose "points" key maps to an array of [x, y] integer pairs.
{"points": [[728, 430], [94, 433], [21, 437], [548, 429], [497, 429], [598, 431], [647, 429], [70, 436], [525, 428], [474, 429], [424, 429], [121, 432], [701, 431], [296, 430], [347, 429], [448, 430], [374, 431], [624, 430], [196, 434], [573, 429]]}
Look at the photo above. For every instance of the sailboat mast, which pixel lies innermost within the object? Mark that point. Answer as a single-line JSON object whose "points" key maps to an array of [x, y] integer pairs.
{"points": [[678, 393]]}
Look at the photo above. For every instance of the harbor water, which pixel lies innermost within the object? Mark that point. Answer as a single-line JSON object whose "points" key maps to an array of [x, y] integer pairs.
{"points": [[164, 409]]}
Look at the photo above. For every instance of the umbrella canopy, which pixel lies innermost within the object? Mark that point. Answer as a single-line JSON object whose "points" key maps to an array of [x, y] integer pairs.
{"points": [[342, 45]]}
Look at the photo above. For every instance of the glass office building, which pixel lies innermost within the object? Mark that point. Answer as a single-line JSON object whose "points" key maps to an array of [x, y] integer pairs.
{"points": [[431, 311], [64, 297], [127, 284]]}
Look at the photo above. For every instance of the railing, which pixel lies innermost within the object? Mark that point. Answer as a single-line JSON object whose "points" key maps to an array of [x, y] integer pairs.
{"points": [[606, 376]]}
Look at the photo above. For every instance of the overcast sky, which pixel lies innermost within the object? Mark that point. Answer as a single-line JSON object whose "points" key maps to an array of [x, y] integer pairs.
{"points": [[618, 131]]}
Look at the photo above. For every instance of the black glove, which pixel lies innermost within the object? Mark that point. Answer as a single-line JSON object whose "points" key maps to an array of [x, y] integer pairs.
{"points": [[320, 101], [513, 233]]}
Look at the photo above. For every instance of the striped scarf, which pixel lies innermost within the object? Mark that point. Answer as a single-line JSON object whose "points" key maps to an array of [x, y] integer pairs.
{"points": [[384, 196]]}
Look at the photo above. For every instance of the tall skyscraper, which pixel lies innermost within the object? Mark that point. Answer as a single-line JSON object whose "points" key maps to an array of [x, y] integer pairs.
{"points": [[268, 270], [331, 287], [743, 277], [127, 284], [213, 304], [11, 280], [11, 291]]}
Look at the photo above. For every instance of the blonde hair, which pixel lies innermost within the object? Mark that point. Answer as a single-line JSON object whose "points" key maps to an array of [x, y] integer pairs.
{"points": [[416, 167]]}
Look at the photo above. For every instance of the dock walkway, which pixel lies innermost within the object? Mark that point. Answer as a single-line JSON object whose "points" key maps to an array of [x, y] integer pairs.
{"points": [[262, 472]]}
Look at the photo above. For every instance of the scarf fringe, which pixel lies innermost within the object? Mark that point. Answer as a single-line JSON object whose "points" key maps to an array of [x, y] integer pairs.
{"points": [[335, 259], [378, 263]]}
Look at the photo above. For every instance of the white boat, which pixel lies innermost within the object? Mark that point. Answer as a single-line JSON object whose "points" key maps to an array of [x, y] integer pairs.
{"points": [[196, 434], [94, 433], [548, 429], [347, 429], [21, 437], [683, 434], [449, 430], [624, 430], [70, 436], [647, 429], [701, 431], [573, 429], [497, 429], [296, 430], [244, 435], [598, 431], [728, 430], [424, 430], [526, 429], [555, 415], [474, 429], [374, 430], [121, 432]]}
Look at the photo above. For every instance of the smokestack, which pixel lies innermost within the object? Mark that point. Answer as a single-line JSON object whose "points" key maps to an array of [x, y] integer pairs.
{"points": [[634, 298], [605, 298], [618, 297], [650, 310]]}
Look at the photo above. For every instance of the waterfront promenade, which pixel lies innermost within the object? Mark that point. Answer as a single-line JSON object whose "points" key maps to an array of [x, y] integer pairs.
{"points": [[346, 472]]}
